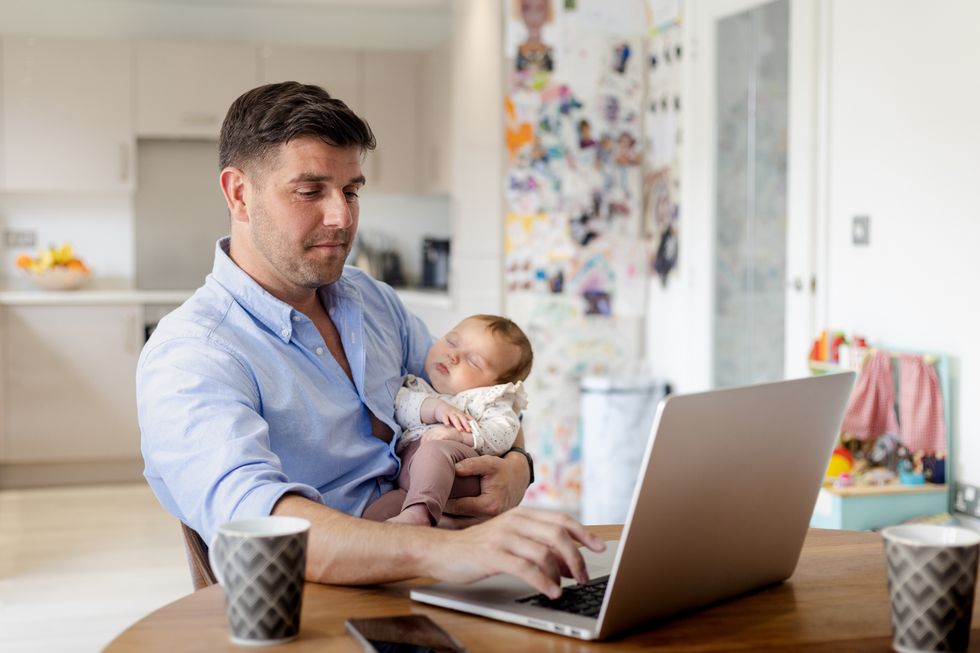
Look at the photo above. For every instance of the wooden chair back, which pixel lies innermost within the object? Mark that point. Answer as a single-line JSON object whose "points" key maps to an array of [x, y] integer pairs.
{"points": [[197, 558]]}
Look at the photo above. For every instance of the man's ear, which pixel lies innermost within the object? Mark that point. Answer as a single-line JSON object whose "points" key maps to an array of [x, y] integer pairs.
{"points": [[233, 182]]}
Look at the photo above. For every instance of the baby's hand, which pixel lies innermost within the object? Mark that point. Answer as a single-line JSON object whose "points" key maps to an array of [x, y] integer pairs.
{"points": [[449, 415], [442, 432]]}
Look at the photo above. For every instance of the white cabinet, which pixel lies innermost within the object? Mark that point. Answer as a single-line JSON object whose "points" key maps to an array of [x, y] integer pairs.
{"points": [[337, 71], [69, 386], [183, 90], [3, 388], [66, 112], [404, 96], [436, 121], [391, 106]]}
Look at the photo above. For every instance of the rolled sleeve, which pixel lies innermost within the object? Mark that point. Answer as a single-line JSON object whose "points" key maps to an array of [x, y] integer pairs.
{"points": [[204, 438]]}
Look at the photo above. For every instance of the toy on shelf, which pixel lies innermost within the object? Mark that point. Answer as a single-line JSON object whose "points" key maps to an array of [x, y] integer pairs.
{"points": [[841, 462]]}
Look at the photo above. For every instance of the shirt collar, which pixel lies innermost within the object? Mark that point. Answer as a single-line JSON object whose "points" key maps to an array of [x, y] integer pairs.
{"points": [[274, 313]]}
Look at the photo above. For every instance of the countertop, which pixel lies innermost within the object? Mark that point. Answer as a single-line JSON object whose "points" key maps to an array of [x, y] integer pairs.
{"points": [[90, 296], [97, 293]]}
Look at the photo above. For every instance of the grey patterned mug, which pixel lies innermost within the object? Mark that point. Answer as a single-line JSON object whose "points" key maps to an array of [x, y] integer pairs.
{"points": [[932, 575], [261, 563]]}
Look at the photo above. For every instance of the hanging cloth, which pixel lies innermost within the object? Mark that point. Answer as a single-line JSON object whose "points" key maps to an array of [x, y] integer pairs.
{"points": [[871, 410], [920, 406]]}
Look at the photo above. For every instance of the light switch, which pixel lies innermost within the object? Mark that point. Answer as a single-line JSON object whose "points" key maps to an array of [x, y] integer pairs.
{"points": [[861, 230]]}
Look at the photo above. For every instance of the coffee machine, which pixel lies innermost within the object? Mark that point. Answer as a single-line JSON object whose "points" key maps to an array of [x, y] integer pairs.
{"points": [[435, 263]]}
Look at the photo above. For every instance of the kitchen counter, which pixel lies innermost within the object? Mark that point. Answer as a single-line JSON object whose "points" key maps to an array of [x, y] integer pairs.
{"points": [[20, 296], [93, 296]]}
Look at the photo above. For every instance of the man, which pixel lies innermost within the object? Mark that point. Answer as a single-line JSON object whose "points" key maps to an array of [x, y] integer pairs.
{"points": [[271, 390]]}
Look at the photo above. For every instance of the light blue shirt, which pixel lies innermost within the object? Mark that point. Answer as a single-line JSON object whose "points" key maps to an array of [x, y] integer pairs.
{"points": [[240, 401]]}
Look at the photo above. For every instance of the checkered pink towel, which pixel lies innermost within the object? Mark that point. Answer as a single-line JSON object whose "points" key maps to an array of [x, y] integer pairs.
{"points": [[920, 406], [871, 410]]}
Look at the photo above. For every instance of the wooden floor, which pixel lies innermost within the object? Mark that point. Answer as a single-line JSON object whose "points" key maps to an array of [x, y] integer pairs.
{"points": [[80, 564]]}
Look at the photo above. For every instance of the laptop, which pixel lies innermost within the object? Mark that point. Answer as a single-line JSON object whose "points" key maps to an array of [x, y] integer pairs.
{"points": [[721, 507]]}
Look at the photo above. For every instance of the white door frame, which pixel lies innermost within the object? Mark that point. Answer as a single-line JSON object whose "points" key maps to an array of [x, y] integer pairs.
{"points": [[806, 175]]}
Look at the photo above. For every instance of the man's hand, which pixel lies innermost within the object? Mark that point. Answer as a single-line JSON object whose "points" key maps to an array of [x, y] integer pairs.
{"points": [[536, 546], [441, 432], [502, 485]]}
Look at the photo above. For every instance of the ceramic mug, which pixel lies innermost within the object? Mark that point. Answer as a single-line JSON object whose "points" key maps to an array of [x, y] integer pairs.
{"points": [[932, 575], [261, 564]]}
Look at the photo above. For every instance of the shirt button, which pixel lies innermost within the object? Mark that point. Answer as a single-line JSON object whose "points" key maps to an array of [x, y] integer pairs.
{"points": [[296, 318], [285, 333], [319, 351]]}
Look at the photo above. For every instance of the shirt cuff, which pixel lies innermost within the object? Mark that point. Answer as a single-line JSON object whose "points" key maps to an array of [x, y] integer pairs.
{"points": [[260, 501]]}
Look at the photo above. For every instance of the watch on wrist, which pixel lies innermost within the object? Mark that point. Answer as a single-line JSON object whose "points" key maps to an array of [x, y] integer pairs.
{"points": [[530, 462]]}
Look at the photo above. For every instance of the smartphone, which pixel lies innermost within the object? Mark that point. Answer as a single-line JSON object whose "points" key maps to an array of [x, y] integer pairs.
{"points": [[410, 633]]}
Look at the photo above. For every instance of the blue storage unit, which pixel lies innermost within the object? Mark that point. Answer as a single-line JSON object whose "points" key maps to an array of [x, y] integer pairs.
{"points": [[860, 509]]}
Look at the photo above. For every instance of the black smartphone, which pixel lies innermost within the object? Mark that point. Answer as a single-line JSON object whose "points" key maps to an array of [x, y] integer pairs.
{"points": [[410, 633]]}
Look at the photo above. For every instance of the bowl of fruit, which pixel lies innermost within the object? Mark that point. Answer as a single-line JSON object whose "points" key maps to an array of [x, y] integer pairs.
{"points": [[55, 268]]}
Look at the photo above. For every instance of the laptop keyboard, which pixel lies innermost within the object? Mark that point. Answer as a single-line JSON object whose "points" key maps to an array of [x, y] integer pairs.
{"points": [[577, 599]]}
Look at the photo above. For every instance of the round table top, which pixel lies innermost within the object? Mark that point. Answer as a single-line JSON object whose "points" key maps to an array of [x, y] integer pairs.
{"points": [[836, 600]]}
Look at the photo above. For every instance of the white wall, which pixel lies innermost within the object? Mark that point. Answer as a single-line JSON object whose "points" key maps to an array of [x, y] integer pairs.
{"points": [[99, 227], [905, 149], [901, 135], [477, 158]]}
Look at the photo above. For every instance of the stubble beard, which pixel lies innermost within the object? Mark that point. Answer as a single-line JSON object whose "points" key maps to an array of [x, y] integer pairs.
{"points": [[294, 263]]}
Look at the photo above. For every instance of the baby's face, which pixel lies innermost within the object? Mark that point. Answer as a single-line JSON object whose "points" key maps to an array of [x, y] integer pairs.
{"points": [[469, 356]]}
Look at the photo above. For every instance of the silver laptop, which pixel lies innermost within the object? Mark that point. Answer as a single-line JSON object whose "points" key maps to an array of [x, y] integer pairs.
{"points": [[721, 507]]}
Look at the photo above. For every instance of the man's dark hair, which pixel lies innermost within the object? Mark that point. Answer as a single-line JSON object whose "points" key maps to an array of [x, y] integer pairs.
{"points": [[266, 117]]}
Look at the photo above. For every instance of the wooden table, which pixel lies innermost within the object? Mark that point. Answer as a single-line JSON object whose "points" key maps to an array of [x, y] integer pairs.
{"points": [[837, 600]]}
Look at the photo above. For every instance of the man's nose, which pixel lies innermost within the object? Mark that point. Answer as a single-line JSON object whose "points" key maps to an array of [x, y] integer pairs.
{"points": [[337, 211]]}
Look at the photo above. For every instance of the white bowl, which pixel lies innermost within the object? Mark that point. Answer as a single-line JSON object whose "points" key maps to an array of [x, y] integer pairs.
{"points": [[59, 278]]}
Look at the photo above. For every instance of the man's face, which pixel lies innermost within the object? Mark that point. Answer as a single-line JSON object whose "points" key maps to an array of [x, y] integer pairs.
{"points": [[469, 356], [302, 210]]}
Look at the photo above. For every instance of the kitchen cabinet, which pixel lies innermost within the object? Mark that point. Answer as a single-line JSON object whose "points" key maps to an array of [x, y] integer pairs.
{"points": [[391, 106], [436, 121], [337, 71], [66, 114], [184, 89], [3, 390], [69, 382]]}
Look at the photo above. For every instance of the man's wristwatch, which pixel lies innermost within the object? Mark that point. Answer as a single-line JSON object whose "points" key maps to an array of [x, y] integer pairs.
{"points": [[530, 462]]}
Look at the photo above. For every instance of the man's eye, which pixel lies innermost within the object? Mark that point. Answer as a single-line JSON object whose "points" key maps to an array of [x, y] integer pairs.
{"points": [[351, 195], [308, 193]]}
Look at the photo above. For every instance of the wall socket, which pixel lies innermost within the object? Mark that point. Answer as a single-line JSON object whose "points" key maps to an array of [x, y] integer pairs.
{"points": [[967, 499], [19, 237]]}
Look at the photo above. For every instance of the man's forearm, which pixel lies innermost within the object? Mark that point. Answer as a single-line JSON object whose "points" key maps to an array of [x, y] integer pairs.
{"points": [[350, 551], [533, 545]]}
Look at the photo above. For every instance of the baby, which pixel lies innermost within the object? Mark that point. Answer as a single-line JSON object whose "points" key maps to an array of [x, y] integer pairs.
{"points": [[470, 409]]}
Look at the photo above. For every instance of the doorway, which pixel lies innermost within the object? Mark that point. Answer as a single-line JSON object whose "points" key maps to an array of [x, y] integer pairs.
{"points": [[759, 158]]}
